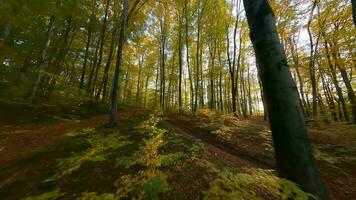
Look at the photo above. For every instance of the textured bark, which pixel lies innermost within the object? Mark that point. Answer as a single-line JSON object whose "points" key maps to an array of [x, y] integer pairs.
{"points": [[294, 157]]}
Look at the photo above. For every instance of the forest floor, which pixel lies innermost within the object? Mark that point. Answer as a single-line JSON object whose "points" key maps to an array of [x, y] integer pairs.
{"points": [[159, 156]]}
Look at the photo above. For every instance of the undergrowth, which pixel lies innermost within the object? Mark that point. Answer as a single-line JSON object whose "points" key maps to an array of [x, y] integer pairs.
{"points": [[143, 161]]}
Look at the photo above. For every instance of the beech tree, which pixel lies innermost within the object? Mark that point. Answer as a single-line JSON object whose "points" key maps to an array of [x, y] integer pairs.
{"points": [[295, 160]]}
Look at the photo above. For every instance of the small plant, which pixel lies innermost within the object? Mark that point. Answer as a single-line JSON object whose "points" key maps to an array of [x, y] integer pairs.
{"points": [[223, 134], [205, 113], [150, 181]]}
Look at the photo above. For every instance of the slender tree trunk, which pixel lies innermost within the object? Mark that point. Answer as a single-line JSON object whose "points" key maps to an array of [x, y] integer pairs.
{"points": [[312, 62], [354, 10], [329, 97], [102, 42], [50, 32], [350, 92], [294, 50], [104, 82], [138, 85], [249, 91], [93, 68], [90, 27], [220, 83], [347, 82], [187, 57], [180, 104], [146, 89], [115, 84], [294, 156], [232, 71], [338, 89], [156, 89]]}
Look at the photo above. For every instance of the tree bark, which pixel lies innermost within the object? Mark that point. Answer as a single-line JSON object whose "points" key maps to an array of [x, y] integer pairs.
{"points": [[295, 160]]}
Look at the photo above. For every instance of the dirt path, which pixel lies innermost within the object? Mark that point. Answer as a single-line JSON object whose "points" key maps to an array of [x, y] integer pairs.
{"points": [[222, 153], [16, 142], [19, 141]]}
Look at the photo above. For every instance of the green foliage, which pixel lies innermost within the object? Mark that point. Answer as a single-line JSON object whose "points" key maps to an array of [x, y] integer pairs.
{"points": [[266, 135], [55, 194], [99, 144], [149, 182], [229, 185], [172, 158], [95, 196], [205, 113], [321, 155], [223, 134]]}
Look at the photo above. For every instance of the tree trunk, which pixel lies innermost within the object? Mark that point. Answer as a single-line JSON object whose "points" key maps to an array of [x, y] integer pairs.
{"points": [[187, 57], [86, 52], [340, 95], [354, 10], [50, 32], [312, 62], [180, 104], [350, 92], [102, 42], [294, 156], [115, 84]]}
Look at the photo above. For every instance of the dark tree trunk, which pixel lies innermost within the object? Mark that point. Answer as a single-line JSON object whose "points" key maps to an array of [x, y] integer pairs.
{"points": [[102, 42], [338, 89], [115, 84], [312, 70], [295, 160], [180, 104], [90, 27]]}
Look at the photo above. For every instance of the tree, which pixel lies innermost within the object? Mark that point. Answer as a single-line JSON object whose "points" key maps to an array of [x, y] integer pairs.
{"points": [[115, 84], [50, 32], [354, 10], [295, 160]]}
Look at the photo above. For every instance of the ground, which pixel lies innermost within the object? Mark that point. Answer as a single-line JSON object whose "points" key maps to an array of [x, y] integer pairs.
{"points": [[159, 156]]}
